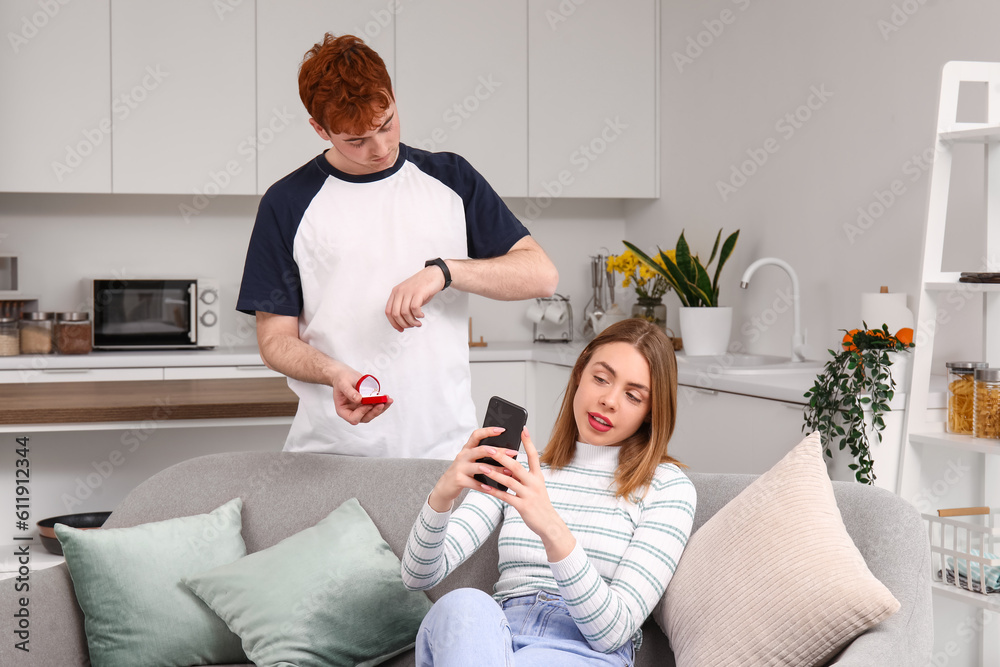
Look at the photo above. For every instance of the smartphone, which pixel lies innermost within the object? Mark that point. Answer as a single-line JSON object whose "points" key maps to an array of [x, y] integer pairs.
{"points": [[512, 418]]}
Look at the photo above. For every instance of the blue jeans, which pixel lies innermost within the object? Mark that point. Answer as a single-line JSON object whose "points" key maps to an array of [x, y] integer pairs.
{"points": [[467, 627]]}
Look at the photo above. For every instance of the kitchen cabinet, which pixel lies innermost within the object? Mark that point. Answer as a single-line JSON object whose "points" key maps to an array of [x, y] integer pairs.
{"points": [[462, 85], [183, 96], [506, 379], [593, 96], [285, 140], [731, 433], [550, 388], [56, 113]]}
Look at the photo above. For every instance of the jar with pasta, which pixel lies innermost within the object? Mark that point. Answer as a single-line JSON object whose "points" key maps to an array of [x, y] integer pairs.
{"points": [[986, 403], [961, 383], [36, 333], [9, 344]]}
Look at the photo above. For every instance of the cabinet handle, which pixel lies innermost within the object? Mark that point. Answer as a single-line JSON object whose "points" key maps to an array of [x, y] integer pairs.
{"points": [[251, 368], [707, 392], [66, 370]]}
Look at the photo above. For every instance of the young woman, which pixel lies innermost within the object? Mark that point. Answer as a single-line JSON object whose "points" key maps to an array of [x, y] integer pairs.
{"points": [[592, 535]]}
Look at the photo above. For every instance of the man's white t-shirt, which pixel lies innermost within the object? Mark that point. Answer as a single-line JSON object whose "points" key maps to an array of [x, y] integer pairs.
{"points": [[328, 247]]}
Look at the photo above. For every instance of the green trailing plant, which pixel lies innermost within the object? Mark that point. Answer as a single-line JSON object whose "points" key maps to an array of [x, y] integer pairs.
{"points": [[685, 272], [858, 377]]}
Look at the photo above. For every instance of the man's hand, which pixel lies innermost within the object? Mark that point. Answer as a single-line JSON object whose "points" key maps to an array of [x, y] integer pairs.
{"points": [[404, 308], [347, 400], [283, 351]]}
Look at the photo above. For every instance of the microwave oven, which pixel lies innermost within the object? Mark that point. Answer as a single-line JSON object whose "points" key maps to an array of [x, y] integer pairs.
{"points": [[154, 313]]}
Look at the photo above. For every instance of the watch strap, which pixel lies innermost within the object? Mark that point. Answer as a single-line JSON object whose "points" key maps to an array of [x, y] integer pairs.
{"points": [[438, 262]]}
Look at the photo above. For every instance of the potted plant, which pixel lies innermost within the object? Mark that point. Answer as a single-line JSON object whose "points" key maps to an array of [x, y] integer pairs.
{"points": [[649, 286], [705, 326], [858, 378]]}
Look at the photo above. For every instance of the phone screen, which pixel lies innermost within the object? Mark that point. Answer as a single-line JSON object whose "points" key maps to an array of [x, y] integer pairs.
{"points": [[512, 418]]}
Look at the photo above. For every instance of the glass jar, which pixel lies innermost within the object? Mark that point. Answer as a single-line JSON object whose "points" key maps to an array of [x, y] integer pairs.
{"points": [[961, 382], [9, 343], [73, 333], [36, 333], [986, 399], [651, 310]]}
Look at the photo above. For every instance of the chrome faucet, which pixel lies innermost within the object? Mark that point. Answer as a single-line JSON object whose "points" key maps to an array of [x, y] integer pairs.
{"points": [[798, 336]]}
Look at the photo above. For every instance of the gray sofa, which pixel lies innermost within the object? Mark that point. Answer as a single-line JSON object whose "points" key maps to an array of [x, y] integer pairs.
{"points": [[285, 493]]}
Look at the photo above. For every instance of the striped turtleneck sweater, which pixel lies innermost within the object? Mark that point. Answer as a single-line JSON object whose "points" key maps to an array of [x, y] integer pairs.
{"points": [[626, 550]]}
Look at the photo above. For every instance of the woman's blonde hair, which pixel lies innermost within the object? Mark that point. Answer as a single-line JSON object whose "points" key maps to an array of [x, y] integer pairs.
{"points": [[641, 452]]}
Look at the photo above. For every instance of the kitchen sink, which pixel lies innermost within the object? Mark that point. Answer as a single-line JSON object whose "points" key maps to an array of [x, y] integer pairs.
{"points": [[747, 364]]}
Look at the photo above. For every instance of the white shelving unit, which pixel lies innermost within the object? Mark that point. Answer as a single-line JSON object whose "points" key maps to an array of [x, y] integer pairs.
{"points": [[921, 431]]}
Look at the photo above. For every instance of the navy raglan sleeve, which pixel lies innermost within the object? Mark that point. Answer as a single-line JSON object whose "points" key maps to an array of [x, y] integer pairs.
{"points": [[491, 227], [271, 281]]}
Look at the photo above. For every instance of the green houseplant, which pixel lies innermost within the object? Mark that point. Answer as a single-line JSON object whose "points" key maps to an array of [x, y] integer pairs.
{"points": [[858, 377], [685, 272], [705, 326]]}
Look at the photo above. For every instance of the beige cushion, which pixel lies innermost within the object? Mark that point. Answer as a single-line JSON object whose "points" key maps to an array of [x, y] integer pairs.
{"points": [[773, 578]]}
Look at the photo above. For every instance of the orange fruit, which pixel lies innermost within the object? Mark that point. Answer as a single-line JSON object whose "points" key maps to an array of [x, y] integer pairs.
{"points": [[848, 342], [905, 336]]}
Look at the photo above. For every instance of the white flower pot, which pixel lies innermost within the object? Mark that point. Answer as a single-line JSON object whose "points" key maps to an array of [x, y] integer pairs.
{"points": [[706, 330]]}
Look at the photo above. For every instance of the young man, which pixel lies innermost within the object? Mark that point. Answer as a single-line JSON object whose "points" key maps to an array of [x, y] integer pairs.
{"points": [[361, 262]]}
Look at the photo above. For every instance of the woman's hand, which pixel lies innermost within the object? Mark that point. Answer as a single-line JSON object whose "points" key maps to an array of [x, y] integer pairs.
{"points": [[459, 474], [532, 499]]}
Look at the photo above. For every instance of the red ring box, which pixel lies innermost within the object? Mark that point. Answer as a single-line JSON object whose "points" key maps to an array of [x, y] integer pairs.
{"points": [[368, 386]]}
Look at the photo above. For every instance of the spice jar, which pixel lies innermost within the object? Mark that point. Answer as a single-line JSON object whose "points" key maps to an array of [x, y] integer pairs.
{"points": [[9, 343], [961, 382], [36, 333], [73, 333], [986, 397]]}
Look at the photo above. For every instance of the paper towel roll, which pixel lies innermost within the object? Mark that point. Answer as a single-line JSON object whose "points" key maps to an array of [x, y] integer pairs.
{"points": [[889, 309]]}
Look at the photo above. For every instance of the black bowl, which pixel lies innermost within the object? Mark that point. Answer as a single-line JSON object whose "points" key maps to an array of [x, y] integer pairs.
{"points": [[85, 521]]}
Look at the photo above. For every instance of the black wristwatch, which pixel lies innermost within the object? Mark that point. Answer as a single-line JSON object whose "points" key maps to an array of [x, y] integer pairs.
{"points": [[444, 268]]}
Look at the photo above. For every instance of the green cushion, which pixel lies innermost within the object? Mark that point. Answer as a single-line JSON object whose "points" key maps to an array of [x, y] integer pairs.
{"points": [[128, 584], [329, 595]]}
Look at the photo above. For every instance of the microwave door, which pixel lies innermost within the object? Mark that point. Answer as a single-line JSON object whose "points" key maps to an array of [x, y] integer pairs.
{"points": [[143, 314]]}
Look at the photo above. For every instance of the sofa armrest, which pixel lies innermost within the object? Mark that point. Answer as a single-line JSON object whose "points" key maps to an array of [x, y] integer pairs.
{"points": [[55, 621], [904, 639]]}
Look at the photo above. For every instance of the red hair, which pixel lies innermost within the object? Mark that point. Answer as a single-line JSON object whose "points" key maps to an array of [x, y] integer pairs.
{"points": [[344, 85], [640, 453]]}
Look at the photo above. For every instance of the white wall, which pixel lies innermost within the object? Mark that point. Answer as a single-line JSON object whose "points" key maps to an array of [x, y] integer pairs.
{"points": [[875, 91]]}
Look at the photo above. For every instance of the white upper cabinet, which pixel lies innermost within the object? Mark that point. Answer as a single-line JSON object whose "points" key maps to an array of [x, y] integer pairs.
{"points": [[592, 91], [461, 84], [56, 115], [546, 98], [286, 29], [182, 82]]}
